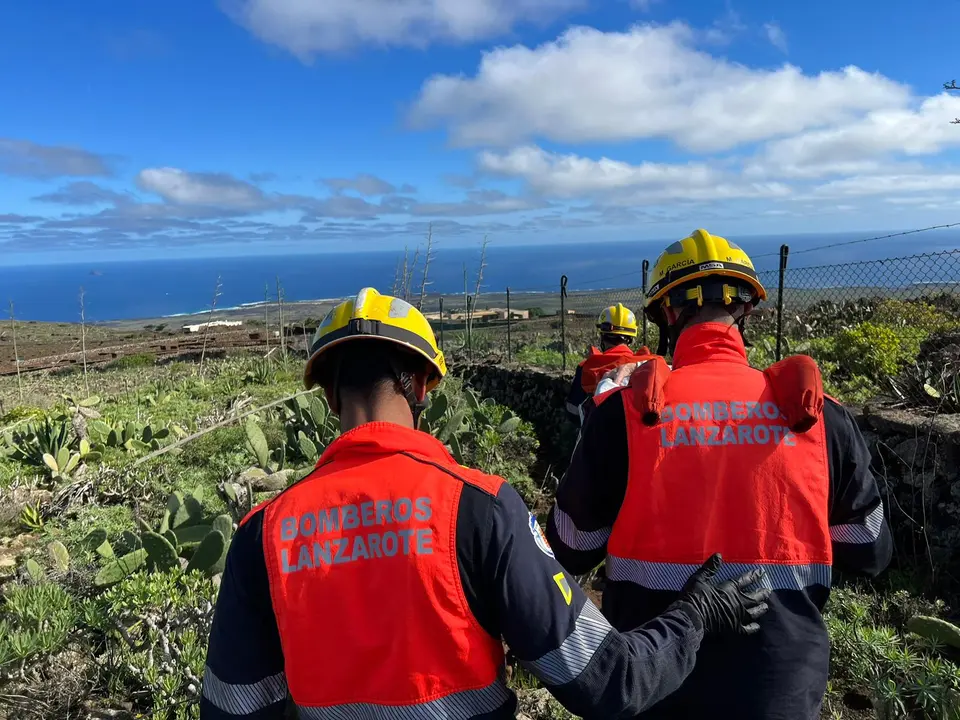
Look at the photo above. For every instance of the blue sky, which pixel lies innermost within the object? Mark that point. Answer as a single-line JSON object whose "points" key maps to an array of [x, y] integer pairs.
{"points": [[190, 127]]}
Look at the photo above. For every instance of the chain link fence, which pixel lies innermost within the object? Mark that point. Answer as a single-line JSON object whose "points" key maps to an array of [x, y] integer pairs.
{"points": [[886, 306]]}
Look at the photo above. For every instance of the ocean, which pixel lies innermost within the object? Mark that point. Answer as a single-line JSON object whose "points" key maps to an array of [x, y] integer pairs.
{"points": [[159, 288]]}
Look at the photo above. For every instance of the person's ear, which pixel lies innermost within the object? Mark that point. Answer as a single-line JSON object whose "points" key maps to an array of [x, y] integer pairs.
{"points": [[670, 314], [420, 386]]}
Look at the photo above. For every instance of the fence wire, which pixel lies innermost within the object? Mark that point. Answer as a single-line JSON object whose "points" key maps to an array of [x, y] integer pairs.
{"points": [[908, 297]]}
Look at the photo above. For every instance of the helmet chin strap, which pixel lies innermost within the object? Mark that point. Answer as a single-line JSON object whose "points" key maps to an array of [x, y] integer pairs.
{"points": [[405, 379]]}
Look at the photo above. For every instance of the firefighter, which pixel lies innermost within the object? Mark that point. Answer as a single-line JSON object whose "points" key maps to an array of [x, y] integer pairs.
{"points": [[384, 584], [715, 454], [618, 330]]}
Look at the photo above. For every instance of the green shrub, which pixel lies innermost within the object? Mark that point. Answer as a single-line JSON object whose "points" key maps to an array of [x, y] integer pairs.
{"points": [[22, 413], [129, 362], [159, 658], [35, 620], [875, 351], [917, 316], [903, 675], [541, 357]]}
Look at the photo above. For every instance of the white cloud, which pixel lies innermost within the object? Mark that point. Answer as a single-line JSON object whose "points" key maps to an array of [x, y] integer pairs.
{"points": [[776, 36], [364, 183], [206, 189], [619, 183], [890, 184], [724, 29], [570, 176], [23, 158], [309, 27], [858, 146], [650, 82]]}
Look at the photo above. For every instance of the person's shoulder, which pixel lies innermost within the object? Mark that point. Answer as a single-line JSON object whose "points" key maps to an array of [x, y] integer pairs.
{"points": [[836, 413], [490, 484], [609, 405]]}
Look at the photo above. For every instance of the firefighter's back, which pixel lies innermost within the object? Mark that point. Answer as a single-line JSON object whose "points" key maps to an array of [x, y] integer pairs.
{"points": [[722, 471], [365, 558]]}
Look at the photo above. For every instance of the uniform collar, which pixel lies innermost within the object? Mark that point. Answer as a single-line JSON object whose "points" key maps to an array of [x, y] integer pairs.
{"points": [[709, 342], [615, 350], [385, 438]]}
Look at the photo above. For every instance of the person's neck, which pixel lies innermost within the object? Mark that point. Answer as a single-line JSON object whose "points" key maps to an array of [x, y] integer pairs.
{"points": [[357, 410], [711, 314], [605, 346]]}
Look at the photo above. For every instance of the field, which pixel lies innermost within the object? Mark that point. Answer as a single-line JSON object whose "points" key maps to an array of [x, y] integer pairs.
{"points": [[120, 488]]}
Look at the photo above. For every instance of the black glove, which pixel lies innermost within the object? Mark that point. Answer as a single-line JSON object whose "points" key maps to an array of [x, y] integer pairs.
{"points": [[725, 608]]}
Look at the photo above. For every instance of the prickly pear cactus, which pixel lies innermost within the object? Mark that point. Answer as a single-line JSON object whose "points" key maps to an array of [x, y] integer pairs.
{"points": [[115, 571], [34, 570], [307, 447], [936, 629], [224, 524], [97, 541], [171, 538], [210, 554], [180, 513], [59, 556], [191, 535], [160, 552], [257, 442]]}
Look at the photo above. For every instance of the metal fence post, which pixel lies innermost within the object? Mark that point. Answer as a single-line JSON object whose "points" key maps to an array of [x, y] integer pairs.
{"points": [[563, 320], [508, 325], [469, 328], [441, 323], [646, 268], [784, 252]]}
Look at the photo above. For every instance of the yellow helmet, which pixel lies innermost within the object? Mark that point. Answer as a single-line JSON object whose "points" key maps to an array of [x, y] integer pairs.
{"points": [[372, 316], [702, 255], [618, 320]]}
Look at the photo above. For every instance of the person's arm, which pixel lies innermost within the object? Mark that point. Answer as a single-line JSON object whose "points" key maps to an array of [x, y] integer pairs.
{"points": [[244, 676], [591, 493], [519, 592], [576, 396], [861, 537]]}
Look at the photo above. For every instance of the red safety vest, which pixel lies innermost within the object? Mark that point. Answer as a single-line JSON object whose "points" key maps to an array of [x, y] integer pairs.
{"points": [[598, 363], [361, 559], [721, 471]]}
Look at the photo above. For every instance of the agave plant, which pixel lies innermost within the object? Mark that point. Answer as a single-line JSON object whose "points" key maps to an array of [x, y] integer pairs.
{"points": [[49, 437], [261, 373], [925, 383], [63, 465]]}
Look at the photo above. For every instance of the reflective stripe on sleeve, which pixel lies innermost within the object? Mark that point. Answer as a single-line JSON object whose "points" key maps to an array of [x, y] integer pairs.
{"points": [[567, 662], [860, 533], [243, 699], [466, 704], [673, 576], [578, 539]]}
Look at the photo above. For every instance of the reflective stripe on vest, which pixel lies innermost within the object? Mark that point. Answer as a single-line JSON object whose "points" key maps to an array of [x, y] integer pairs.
{"points": [[721, 473], [465, 704], [599, 363], [672, 576], [365, 584]]}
